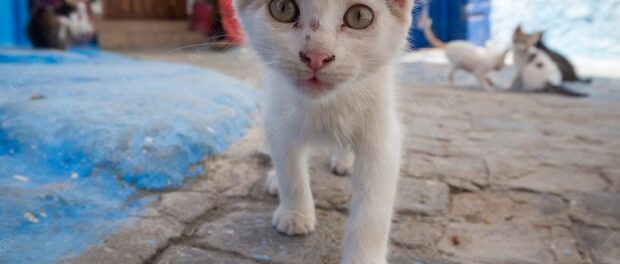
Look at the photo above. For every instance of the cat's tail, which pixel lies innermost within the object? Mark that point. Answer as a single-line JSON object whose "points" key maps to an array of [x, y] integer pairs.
{"points": [[550, 88], [585, 80], [430, 35]]}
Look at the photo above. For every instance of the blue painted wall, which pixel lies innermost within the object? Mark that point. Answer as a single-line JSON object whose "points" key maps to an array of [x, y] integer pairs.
{"points": [[584, 28], [453, 19], [13, 21]]}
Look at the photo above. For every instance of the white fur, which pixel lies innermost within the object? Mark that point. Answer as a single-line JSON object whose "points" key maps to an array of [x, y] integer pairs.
{"points": [[358, 114], [64, 33], [534, 75], [78, 24], [83, 25], [342, 162], [478, 61]]}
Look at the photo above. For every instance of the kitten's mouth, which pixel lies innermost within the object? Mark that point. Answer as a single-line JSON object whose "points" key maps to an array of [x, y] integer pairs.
{"points": [[315, 84], [314, 80]]}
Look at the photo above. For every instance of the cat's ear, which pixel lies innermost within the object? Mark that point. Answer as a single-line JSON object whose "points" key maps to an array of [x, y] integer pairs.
{"points": [[519, 30], [535, 38]]}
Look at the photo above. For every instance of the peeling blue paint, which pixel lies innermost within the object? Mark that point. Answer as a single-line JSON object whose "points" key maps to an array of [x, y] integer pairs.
{"points": [[81, 131]]}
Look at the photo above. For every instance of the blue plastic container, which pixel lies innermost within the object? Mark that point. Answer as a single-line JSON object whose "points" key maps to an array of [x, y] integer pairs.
{"points": [[13, 20], [454, 19]]}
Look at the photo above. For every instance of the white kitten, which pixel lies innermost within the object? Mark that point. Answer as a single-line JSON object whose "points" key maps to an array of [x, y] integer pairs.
{"points": [[329, 73], [468, 57]]}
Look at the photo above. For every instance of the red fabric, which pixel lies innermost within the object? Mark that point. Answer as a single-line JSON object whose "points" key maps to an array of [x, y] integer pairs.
{"points": [[203, 18], [231, 25]]}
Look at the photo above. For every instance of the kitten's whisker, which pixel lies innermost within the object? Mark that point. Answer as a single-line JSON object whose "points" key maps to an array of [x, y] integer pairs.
{"points": [[186, 47], [241, 73], [229, 44]]}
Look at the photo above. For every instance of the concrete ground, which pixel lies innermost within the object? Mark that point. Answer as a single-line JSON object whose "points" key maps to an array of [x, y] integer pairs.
{"points": [[486, 178]]}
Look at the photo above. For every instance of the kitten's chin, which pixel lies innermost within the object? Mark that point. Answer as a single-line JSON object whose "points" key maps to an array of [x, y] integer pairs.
{"points": [[315, 84], [314, 87]]}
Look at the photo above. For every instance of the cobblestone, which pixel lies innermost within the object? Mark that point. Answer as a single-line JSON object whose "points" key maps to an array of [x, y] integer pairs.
{"points": [[486, 178]]}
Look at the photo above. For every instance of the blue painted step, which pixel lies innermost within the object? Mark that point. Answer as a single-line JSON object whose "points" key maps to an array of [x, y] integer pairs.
{"points": [[81, 131]]}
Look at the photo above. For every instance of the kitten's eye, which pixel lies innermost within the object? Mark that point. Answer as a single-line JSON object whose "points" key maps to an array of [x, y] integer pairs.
{"points": [[359, 17], [285, 11]]}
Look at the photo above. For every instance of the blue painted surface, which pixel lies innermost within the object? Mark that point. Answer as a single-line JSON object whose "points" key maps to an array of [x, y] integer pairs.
{"points": [[576, 28], [454, 19], [416, 36], [105, 127], [13, 20]]}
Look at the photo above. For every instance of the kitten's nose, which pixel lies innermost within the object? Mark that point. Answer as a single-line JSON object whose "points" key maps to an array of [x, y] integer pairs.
{"points": [[316, 60]]}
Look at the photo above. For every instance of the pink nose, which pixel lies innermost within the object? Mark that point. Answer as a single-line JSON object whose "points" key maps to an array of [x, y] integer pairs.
{"points": [[316, 60]]}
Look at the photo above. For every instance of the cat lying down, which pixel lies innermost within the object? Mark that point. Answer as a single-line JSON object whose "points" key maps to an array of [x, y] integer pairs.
{"points": [[537, 70]]}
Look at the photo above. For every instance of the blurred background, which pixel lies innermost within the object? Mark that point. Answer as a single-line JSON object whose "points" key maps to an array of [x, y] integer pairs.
{"points": [[584, 31], [133, 24], [582, 28]]}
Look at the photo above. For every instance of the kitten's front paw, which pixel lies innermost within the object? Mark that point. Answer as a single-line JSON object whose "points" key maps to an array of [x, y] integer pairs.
{"points": [[378, 260], [340, 166], [293, 223], [271, 186], [362, 255]]}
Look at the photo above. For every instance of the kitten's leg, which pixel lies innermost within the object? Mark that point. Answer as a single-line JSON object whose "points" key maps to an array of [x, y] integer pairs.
{"points": [[451, 75], [517, 83], [489, 81], [374, 180], [482, 79], [271, 186], [342, 162], [295, 214]]}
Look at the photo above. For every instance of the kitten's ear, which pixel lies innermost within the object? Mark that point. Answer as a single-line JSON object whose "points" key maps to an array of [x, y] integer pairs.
{"points": [[535, 38], [519, 30]]}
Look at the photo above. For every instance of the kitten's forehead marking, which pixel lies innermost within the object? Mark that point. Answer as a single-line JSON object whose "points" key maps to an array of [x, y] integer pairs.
{"points": [[315, 25]]}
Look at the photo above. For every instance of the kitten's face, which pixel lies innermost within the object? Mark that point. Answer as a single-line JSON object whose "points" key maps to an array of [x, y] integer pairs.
{"points": [[319, 45], [75, 16], [522, 41]]}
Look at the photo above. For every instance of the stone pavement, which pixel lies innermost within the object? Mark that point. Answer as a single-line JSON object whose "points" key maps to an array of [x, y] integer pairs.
{"points": [[486, 178]]}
